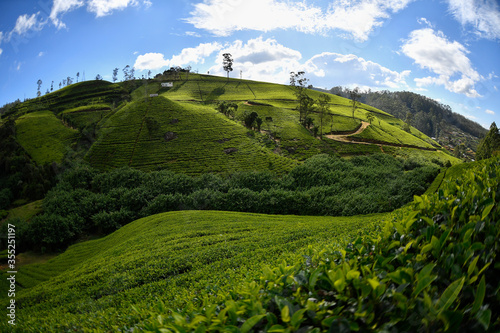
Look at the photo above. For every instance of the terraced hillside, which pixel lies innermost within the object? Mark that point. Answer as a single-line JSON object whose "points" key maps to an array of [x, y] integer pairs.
{"points": [[281, 134], [175, 257], [181, 130], [44, 137], [191, 138]]}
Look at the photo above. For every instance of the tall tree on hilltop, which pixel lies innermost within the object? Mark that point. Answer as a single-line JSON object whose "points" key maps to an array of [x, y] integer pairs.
{"points": [[354, 96], [77, 76], [227, 63], [126, 74], [489, 144], [115, 75], [39, 83], [52, 86]]}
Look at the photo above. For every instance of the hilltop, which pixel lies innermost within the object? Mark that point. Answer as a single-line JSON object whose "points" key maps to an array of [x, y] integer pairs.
{"points": [[112, 125]]}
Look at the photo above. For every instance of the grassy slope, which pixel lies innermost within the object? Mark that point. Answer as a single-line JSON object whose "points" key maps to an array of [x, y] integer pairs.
{"points": [[44, 136], [75, 95], [201, 137], [177, 257], [92, 102]]}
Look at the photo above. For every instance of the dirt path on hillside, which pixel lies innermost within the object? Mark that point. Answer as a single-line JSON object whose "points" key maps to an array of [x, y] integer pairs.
{"points": [[348, 138], [344, 137]]}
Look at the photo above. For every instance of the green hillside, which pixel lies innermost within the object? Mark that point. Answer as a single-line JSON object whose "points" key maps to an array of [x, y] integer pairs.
{"points": [[177, 257], [181, 130], [191, 138], [44, 137], [429, 265]]}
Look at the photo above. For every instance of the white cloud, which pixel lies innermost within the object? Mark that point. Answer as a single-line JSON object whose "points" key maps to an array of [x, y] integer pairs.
{"points": [[98, 7], [60, 7], [468, 116], [482, 15], [106, 7], [195, 54], [432, 51], [150, 61], [25, 23], [356, 18], [424, 21], [351, 70], [192, 34], [188, 55], [259, 59], [490, 112], [267, 60], [41, 53], [1, 51]]}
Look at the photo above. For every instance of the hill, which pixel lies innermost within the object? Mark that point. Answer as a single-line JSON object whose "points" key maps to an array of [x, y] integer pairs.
{"points": [[176, 257], [452, 130], [115, 125], [189, 270]]}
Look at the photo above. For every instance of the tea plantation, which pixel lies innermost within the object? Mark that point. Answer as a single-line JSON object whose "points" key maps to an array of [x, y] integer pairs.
{"points": [[158, 213], [430, 266]]}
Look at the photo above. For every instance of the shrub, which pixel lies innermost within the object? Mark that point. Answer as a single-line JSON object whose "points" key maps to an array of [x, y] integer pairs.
{"points": [[433, 268]]}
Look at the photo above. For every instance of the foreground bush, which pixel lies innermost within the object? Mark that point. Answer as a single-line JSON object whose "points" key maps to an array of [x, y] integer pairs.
{"points": [[433, 269]]}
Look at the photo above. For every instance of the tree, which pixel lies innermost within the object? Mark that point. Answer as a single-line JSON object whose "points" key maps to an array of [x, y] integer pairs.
{"points": [[69, 80], [60, 85], [98, 77], [370, 117], [489, 144], [259, 123], [408, 121], [39, 83], [52, 86], [249, 119], [227, 63], [305, 104], [323, 109], [227, 109], [115, 75], [354, 96], [77, 76], [126, 73]]}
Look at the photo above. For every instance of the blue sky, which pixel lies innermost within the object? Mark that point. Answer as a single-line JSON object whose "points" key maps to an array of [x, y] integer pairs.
{"points": [[448, 50]]}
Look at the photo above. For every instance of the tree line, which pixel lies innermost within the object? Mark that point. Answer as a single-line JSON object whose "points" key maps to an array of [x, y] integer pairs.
{"points": [[85, 201], [423, 113]]}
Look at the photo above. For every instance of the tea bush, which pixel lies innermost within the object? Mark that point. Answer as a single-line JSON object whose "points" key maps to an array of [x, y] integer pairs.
{"points": [[434, 268], [323, 185]]}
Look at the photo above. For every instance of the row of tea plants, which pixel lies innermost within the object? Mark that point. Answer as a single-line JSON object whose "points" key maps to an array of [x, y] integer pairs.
{"points": [[433, 268]]}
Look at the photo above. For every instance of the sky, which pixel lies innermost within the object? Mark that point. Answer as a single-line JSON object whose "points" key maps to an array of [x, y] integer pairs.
{"points": [[448, 50]]}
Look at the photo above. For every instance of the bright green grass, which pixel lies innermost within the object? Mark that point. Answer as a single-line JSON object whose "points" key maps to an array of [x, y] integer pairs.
{"points": [[176, 257], [44, 136], [387, 132], [26, 212], [79, 94], [84, 116], [202, 135]]}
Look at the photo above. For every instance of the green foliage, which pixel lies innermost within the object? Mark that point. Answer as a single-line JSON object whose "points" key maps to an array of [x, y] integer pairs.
{"points": [[189, 138], [181, 259], [433, 268], [323, 185], [44, 136], [489, 144]]}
